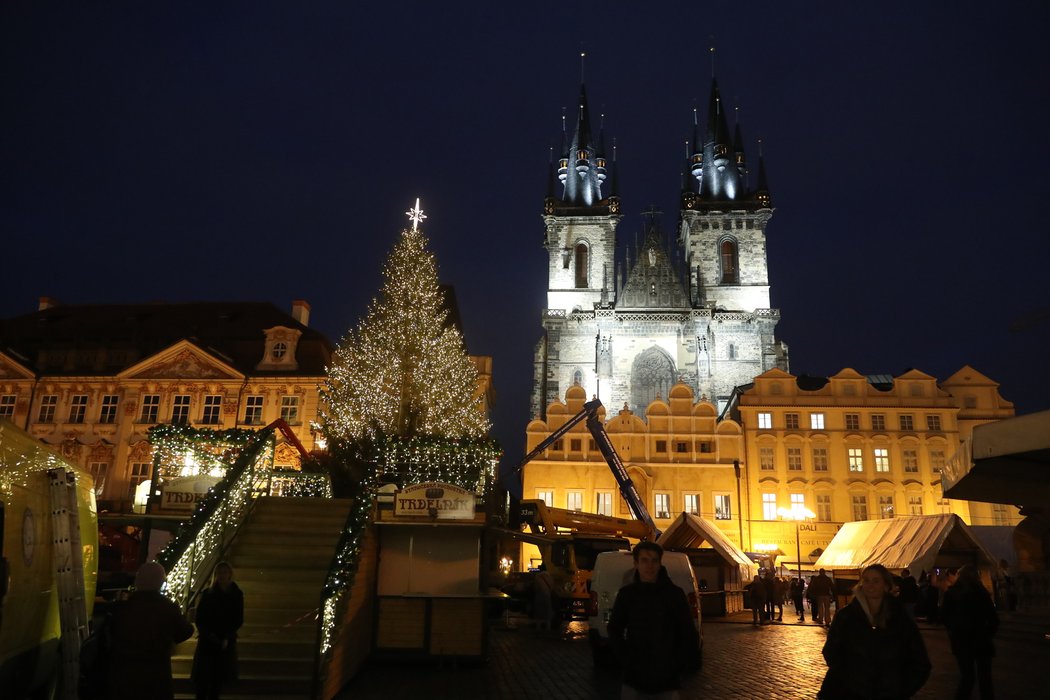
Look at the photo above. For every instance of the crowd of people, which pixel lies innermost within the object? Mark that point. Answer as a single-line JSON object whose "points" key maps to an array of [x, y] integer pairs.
{"points": [[768, 592]]}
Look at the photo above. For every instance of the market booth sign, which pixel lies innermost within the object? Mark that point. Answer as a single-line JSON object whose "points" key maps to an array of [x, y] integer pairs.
{"points": [[435, 500], [184, 493]]}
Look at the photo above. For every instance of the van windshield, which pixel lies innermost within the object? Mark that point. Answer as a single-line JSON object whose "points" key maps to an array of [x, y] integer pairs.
{"points": [[587, 551]]}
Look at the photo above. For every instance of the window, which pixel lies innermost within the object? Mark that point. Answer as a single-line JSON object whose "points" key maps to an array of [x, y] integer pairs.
{"points": [[769, 506], [140, 471], [180, 409], [98, 474], [791, 421], [765, 459], [727, 256], [77, 408], [290, 409], [652, 375], [558, 445], [681, 446], [820, 459], [723, 507], [933, 422], [816, 421], [824, 507], [731, 350], [852, 421], [575, 445], [279, 350], [878, 422], [914, 505], [855, 458], [590, 445], [547, 497], [705, 446], [108, 413], [882, 459], [253, 410], [907, 422], [603, 503], [581, 266], [150, 408], [794, 459], [937, 461], [691, 503], [860, 507], [212, 407], [885, 507], [7, 406], [661, 445], [911, 461], [577, 378], [662, 501], [765, 421], [1000, 514], [47, 409], [574, 500]]}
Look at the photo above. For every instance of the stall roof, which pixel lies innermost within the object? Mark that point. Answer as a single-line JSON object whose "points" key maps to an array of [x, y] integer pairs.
{"points": [[1003, 462], [919, 543], [689, 531]]}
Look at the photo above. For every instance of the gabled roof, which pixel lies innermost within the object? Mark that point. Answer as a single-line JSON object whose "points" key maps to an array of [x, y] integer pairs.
{"points": [[652, 282], [690, 531]]}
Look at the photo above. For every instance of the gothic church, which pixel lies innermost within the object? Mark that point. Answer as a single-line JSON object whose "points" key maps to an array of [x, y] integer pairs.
{"points": [[627, 328]]}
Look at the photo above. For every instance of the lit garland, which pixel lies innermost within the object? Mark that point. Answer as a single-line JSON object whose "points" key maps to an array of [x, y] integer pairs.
{"points": [[469, 464], [210, 449]]}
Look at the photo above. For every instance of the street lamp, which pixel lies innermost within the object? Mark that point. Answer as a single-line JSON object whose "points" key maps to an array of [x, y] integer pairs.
{"points": [[799, 514]]}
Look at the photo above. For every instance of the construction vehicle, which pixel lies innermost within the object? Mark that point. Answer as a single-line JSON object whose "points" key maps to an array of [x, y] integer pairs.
{"points": [[569, 541], [48, 567]]}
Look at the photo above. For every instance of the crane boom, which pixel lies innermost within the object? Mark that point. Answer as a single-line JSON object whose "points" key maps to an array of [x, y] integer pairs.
{"points": [[612, 458]]}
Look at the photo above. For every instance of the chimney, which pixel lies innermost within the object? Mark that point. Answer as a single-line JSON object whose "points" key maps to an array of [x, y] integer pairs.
{"points": [[300, 311], [48, 303]]}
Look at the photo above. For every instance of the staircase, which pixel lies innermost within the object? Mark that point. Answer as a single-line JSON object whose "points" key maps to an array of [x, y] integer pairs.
{"points": [[280, 559]]}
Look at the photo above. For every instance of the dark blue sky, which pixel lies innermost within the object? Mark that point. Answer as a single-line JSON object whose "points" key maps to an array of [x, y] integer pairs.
{"points": [[267, 150]]}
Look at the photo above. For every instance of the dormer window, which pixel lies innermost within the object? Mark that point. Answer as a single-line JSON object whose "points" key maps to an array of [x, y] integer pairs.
{"points": [[279, 348]]}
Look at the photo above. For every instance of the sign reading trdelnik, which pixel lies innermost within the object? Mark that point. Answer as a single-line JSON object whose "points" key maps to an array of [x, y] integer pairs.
{"points": [[435, 500]]}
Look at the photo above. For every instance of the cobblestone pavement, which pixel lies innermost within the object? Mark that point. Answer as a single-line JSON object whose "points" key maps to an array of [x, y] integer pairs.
{"points": [[740, 661]]}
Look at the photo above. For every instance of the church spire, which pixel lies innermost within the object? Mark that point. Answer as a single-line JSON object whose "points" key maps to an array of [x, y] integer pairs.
{"points": [[584, 168]]}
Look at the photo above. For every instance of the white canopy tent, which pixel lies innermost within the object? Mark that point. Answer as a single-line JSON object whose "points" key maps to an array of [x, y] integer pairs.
{"points": [[690, 531]]}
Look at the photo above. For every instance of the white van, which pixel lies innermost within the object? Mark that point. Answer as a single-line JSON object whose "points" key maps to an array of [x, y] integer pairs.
{"points": [[614, 570]]}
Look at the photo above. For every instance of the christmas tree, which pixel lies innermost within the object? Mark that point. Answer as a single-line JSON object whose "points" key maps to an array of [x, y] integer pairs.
{"points": [[404, 371]]}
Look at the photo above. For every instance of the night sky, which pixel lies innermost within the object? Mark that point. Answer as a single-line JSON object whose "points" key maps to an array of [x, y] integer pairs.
{"points": [[267, 151]]}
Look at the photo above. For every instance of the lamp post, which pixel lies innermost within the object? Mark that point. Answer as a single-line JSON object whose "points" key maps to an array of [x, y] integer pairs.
{"points": [[799, 514]]}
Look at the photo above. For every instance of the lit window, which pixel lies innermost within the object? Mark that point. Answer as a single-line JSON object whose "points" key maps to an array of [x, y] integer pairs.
{"points": [[852, 421], [824, 507], [547, 497], [820, 459], [798, 502], [253, 410], [907, 422], [878, 422], [885, 507], [791, 421], [860, 507], [765, 421], [574, 500], [914, 505], [150, 408], [855, 457], [7, 406], [180, 409], [662, 501], [765, 459], [882, 459], [77, 408], [140, 471], [816, 421], [108, 413], [794, 459], [212, 408], [937, 461], [933, 422], [723, 507], [911, 461], [98, 475], [290, 409], [603, 503], [769, 506], [692, 503], [47, 409]]}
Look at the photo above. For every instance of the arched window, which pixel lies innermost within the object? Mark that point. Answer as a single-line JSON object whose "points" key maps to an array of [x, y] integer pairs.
{"points": [[577, 378], [727, 255], [652, 375], [581, 266]]}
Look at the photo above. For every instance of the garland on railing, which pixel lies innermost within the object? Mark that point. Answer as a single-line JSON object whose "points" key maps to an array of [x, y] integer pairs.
{"points": [[209, 448], [468, 463]]}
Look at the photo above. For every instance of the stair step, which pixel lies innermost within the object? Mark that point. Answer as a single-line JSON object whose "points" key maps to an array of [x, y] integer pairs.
{"points": [[256, 667], [253, 687], [279, 576]]}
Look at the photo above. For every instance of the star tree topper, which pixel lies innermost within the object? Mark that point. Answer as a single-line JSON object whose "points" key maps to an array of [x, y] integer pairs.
{"points": [[416, 215]]}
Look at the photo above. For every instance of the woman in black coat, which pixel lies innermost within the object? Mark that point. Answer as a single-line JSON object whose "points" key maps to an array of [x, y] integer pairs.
{"points": [[874, 650], [220, 613], [970, 617]]}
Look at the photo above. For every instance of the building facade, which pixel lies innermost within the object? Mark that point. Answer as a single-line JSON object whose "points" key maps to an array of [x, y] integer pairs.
{"points": [[627, 327], [89, 381]]}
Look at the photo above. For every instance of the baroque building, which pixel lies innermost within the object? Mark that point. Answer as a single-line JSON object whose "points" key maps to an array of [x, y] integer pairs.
{"points": [[628, 327], [90, 380]]}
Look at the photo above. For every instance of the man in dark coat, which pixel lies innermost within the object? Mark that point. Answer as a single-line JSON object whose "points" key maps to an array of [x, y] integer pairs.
{"points": [[651, 629], [970, 617], [144, 630], [220, 613]]}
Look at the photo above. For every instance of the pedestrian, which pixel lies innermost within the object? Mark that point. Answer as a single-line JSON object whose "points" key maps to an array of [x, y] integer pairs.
{"points": [[220, 613], [874, 650], [798, 588], [771, 595], [908, 592], [969, 615], [821, 589], [780, 590], [543, 598], [143, 630], [652, 631], [757, 597]]}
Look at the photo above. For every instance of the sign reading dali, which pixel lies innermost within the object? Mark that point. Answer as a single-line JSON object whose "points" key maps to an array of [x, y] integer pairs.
{"points": [[435, 500]]}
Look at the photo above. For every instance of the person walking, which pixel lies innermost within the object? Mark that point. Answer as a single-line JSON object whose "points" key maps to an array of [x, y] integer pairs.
{"points": [[874, 650], [798, 588], [969, 615], [821, 588], [220, 614], [143, 630], [652, 631]]}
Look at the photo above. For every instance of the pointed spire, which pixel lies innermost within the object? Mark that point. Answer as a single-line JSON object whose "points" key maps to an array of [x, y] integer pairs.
{"points": [[762, 186]]}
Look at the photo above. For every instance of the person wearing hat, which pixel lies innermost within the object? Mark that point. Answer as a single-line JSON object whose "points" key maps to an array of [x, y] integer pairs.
{"points": [[144, 630]]}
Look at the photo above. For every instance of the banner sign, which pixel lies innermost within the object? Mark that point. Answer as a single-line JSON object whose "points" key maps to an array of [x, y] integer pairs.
{"points": [[435, 500]]}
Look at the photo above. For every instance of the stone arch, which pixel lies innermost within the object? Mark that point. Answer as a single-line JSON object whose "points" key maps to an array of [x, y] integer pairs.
{"points": [[652, 375]]}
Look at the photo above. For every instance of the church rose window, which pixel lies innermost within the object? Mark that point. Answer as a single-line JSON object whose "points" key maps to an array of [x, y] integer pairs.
{"points": [[652, 376]]}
